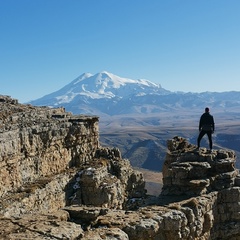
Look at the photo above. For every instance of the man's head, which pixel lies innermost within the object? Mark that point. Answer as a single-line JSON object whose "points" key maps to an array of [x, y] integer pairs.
{"points": [[206, 109]]}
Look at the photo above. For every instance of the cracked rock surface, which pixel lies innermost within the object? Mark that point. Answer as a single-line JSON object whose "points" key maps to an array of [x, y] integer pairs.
{"points": [[57, 182]]}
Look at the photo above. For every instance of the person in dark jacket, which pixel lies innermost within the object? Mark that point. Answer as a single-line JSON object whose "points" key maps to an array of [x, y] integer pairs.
{"points": [[206, 126]]}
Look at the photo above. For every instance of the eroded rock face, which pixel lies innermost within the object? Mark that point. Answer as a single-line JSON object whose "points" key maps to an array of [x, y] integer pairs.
{"points": [[47, 226], [40, 141], [57, 182], [107, 182], [191, 171], [50, 159]]}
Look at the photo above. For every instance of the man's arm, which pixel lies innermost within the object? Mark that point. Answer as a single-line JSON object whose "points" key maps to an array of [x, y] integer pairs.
{"points": [[213, 124], [200, 124]]}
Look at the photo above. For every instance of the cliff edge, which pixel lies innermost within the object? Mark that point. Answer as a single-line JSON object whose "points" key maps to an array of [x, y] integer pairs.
{"points": [[57, 182]]}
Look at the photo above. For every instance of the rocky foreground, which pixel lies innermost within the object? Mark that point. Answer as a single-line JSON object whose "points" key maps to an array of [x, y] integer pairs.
{"points": [[57, 182]]}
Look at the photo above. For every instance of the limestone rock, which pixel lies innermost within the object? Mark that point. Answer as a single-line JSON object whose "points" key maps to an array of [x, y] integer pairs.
{"points": [[57, 182], [192, 172], [48, 226]]}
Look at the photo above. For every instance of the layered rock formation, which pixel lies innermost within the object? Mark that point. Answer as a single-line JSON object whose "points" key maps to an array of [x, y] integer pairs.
{"points": [[57, 182], [50, 159]]}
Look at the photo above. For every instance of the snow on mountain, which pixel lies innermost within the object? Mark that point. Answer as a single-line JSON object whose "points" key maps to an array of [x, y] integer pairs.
{"points": [[104, 85], [107, 94], [101, 85]]}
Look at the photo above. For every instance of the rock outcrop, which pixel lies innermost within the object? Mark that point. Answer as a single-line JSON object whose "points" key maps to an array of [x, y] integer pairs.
{"points": [[57, 182], [193, 172]]}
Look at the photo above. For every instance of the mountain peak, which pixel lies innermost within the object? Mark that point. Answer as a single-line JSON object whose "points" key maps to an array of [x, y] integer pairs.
{"points": [[107, 74], [117, 81], [102, 85], [81, 77]]}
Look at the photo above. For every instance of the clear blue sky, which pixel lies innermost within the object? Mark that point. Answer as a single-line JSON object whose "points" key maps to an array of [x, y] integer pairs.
{"points": [[184, 45]]}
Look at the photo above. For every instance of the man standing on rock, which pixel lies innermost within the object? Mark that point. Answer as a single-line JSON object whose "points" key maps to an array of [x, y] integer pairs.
{"points": [[206, 126]]}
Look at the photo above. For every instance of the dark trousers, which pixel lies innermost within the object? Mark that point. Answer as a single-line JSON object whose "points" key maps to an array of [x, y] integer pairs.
{"points": [[200, 136]]}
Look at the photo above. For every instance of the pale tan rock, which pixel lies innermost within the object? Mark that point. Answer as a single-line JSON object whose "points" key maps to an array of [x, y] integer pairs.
{"points": [[51, 160], [106, 234], [48, 226]]}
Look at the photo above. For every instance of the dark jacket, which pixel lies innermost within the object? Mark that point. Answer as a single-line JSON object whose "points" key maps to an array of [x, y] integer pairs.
{"points": [[206, 122]]}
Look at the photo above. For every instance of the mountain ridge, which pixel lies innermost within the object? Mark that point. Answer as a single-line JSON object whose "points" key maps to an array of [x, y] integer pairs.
{"points": [[100, 85], [107, 94]]}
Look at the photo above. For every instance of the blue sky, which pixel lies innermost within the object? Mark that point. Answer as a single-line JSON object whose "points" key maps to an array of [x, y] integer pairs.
{"points": [[185, 45]]}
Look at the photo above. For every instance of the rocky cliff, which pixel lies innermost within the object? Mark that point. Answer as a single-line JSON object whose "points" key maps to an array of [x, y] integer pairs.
{"points": [[57, 182]]}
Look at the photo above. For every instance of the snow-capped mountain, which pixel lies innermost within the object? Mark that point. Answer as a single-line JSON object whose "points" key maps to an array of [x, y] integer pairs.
{"points": [[107, 94], [88, 92], [102, 85], [108, 85]]}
